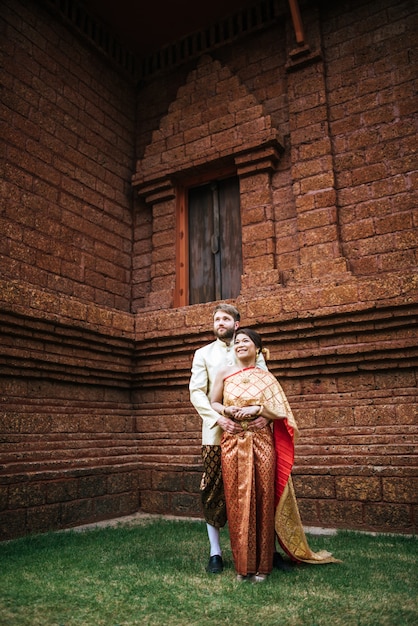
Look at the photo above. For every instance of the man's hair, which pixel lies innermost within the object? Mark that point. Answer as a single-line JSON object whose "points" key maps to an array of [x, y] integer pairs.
{"points": [[228, 308]]}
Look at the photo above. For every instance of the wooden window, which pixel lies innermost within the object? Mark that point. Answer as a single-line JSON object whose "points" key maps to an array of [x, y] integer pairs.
{"points": [[210, 243]]}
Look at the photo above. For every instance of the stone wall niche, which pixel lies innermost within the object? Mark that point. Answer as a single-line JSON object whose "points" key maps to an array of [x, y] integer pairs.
{"points": [[213, 125]]}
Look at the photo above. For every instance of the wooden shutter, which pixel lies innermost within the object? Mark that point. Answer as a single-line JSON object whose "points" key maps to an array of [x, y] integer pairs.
{"points": [[201, 266], [215, 245], [231, 240]]}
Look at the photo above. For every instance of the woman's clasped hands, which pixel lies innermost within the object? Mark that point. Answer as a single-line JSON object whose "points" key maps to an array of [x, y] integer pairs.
{"points": [[244, 418]]}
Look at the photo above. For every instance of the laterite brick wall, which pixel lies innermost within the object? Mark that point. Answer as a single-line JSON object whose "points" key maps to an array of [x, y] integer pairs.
{"points": [[95, 418], [67, 136], [68, 128], [329, 247]]}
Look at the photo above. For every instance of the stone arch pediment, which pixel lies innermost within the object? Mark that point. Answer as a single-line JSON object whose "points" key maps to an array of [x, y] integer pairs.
{"points": [[214, 117]]}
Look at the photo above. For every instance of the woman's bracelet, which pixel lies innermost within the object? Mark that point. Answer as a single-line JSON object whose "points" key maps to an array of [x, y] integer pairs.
{"points": [[260, 410], [223, 412]]}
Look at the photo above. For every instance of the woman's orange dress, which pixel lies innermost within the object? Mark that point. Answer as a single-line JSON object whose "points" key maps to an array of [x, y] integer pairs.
{"points": [[256, 467]]}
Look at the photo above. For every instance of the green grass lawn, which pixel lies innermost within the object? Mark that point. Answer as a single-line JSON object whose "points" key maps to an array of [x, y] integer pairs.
{"points": [[153, 573]]}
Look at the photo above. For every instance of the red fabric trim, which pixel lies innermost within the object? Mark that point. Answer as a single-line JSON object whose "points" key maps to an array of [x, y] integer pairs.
{"points": [[244, 369], [285, 455]]}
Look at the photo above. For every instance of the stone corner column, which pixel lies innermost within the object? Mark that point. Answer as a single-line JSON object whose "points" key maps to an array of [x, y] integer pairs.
{"points": [[254, 169], [312, 167]]}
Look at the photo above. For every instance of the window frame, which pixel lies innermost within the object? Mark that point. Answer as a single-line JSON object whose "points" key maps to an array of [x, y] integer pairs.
{"points": [[181, 292]]}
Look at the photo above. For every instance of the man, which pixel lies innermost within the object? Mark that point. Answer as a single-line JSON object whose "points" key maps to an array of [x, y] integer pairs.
{"points": [[206, 362]]}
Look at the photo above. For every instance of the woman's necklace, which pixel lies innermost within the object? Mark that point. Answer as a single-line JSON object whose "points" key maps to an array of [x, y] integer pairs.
{"points": [[244, 378]]}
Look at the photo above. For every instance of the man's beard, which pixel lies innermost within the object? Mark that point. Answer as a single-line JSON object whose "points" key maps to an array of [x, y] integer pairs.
{"points": [[225, 334]]}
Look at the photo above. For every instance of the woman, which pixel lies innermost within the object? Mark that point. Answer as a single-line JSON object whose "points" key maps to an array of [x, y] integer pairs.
{"points": [[256, 464]]}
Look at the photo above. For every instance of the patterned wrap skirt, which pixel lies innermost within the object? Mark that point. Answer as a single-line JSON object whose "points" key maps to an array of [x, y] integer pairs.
{"points": [[211, 487], [248, 465]]}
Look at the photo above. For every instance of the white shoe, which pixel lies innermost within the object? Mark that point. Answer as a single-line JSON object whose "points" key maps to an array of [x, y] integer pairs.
{"points": [[259, 578]]}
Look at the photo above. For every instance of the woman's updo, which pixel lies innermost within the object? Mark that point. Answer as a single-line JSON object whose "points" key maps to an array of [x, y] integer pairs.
{"points": [[253, 335]]}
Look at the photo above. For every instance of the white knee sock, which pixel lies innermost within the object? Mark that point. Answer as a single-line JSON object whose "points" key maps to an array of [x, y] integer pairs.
{"points": [[213, 534]]}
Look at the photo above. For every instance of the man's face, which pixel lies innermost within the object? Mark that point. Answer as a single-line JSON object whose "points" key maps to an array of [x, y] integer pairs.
{"points": [[224, 326]]}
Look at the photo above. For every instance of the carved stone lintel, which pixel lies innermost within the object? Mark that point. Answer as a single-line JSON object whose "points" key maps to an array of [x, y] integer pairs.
{"points": [[157, 191], [264, 158]]}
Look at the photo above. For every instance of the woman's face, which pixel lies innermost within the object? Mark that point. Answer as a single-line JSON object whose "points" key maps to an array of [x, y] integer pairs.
{"points": [[244, 346]]}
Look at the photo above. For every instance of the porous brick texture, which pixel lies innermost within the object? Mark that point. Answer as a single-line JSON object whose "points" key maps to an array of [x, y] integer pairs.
{"points": [[67, 129], [95, 417]]}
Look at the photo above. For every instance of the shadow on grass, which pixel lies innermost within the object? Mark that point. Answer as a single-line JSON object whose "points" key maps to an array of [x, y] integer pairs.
{"points": [[153, 574]]}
